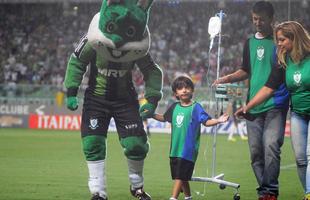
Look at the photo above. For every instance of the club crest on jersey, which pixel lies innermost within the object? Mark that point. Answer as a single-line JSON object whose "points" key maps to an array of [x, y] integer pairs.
{"points": [[297, 78], [180, 118], [93, 124], [260, 52]]}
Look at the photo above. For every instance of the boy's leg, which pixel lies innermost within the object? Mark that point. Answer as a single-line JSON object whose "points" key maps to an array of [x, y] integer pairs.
{"points": [[186, 189], [181, 172], [177, 186]]}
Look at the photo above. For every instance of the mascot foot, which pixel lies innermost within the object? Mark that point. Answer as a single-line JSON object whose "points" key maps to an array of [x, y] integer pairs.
{"points": [[97, 197], [140, 194]]}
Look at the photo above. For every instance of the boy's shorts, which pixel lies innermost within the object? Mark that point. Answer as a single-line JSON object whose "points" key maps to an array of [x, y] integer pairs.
{"points": [[181, 169]]}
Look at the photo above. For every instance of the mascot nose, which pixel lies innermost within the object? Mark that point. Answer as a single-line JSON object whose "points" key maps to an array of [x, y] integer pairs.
{"points": [[118, 42]]}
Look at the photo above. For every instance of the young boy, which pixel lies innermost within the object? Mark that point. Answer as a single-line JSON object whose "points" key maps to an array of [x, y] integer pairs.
{"points": [[185, 117]]}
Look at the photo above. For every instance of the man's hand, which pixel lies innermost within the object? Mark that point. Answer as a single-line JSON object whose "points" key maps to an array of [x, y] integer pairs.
{"points": [[243, 113], [72, 103], [240, 112], [147, 110], [221, 80]]}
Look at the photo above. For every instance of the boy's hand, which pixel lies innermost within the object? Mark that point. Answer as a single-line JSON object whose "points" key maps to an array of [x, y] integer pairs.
{"points": [[223, 118]]}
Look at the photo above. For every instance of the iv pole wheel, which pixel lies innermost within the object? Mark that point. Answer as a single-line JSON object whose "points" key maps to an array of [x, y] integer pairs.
{"points": [[222, 186], [237, 196]]}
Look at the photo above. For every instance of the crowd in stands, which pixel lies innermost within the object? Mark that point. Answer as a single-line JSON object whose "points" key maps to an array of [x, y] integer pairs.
{"points": [[37, 39]]}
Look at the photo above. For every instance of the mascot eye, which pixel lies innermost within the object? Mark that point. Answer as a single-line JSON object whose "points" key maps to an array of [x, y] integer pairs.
{"points": [[111, 26], [131, 31]]}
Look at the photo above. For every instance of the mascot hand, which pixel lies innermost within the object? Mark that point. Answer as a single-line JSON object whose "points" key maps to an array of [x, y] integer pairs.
{"points": [[147, 110], [72, 103]]}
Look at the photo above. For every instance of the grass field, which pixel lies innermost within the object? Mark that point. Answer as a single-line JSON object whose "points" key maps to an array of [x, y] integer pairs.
{"points": [[49, 165]]}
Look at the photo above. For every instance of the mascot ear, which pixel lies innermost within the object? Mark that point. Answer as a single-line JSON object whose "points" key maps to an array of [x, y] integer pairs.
{"points": [[145, 4]]}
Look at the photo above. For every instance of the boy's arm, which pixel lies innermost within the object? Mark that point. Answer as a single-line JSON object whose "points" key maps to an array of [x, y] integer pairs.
{"points": [[221, 119]]}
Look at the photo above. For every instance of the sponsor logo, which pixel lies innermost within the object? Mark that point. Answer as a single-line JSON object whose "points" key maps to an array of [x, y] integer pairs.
{"points": [[93, 124], [297, 78], [14, 109], [58, 122], [10, 121], [131, 126], [260, 52], [39, 110], [112, 72], [180, 118]]}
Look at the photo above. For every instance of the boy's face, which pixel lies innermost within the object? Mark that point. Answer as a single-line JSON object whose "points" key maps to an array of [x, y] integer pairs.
{"points": [[262, 22], [184, 94]]}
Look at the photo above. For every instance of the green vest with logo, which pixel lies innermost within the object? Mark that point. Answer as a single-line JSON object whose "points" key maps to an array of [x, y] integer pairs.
{"points": [[261, 61], [298, 84]]}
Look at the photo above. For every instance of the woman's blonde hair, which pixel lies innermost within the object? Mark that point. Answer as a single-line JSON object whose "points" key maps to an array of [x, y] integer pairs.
{"points": [[300, 41]]}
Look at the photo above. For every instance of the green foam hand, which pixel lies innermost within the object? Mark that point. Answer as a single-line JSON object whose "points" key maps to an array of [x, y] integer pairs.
{"points": [[147, 110], [72, 103]]}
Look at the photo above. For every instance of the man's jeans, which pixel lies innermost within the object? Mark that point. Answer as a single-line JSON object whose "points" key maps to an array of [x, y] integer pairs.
{"points": [[265, 138], [300, 129]]}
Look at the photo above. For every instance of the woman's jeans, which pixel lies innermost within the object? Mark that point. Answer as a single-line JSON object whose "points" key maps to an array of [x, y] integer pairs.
{"points": [[265, 138], [300, 129]]}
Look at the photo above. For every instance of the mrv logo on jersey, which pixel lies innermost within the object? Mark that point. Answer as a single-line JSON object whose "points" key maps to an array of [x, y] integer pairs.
{"points": [[112, 72]]}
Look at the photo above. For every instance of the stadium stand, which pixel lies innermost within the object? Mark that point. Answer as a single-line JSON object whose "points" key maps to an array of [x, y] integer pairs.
{"points": [[35, 46]]}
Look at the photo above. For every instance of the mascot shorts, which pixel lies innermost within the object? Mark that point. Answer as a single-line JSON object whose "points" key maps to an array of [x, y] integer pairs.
{"points": [[97, 114]]}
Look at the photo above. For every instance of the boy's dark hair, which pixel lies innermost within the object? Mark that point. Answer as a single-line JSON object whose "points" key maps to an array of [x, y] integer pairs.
{"points": [[263, 7], [182, 81]]}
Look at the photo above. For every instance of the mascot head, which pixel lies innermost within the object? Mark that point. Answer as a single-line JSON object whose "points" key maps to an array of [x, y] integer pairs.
{"points": [[119, 31]]}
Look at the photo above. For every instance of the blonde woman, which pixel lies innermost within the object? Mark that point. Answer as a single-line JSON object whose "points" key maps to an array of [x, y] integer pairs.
{"points": [[293, 54]]}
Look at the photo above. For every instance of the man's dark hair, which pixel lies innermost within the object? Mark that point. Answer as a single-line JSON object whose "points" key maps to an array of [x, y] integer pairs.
{"points": [[263, 7], [182, 81]]}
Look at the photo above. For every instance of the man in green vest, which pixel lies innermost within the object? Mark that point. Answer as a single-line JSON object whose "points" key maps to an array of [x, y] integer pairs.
{"points": [[265, 122]]}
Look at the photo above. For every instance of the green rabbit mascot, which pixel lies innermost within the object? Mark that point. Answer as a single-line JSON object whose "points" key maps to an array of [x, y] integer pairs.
{"points": [[117, 40]]}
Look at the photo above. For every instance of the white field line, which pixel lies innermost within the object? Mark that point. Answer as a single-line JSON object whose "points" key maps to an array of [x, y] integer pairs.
{"points": [[290, 166]]}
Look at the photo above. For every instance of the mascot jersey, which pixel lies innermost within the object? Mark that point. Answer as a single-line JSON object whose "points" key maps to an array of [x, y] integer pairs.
{"points": [[108, 79]]}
